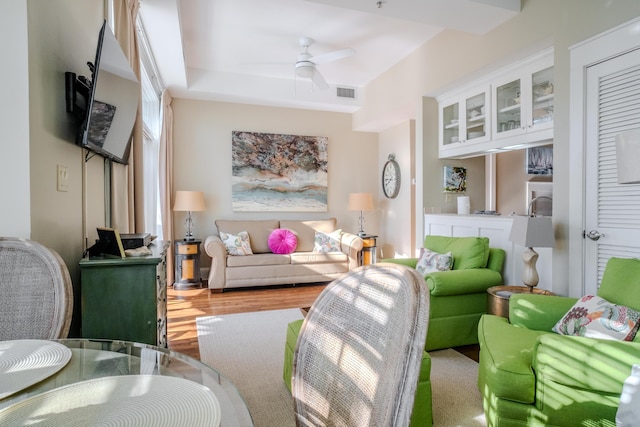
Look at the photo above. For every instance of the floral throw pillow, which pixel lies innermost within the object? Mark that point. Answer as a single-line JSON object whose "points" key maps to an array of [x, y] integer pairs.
{"points": [[433, 261], [327, 242], [237, 244], [595, 317]]}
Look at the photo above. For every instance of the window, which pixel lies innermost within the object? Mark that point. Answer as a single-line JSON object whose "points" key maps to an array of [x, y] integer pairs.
{"points": [[152, 122]]}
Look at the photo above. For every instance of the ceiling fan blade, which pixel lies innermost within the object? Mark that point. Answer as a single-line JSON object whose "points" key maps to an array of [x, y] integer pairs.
{"points": [[318, 80], [332, 56]]}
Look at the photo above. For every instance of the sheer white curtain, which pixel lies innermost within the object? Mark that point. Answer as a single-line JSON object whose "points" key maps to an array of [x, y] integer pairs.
{"points": [[127, 181]]}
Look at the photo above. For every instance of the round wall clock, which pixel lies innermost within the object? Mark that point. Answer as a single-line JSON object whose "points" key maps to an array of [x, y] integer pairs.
{"points": [[391, 177]]}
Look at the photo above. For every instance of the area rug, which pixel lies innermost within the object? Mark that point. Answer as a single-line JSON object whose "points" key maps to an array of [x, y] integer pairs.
{"points": [[248, 349]]}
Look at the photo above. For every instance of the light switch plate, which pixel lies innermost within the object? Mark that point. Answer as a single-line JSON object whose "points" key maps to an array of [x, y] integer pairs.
{"points": [[63, 178]]}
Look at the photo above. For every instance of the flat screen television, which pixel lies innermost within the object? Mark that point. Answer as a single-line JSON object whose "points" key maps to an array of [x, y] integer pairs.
{"points": [[105, 105]]}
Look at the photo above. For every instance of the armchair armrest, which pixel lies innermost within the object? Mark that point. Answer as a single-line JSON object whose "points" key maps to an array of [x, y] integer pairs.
{"points": [[214, 247], [538, 312], [582, 363], [351, 244], [409, 262], [459, 282]]}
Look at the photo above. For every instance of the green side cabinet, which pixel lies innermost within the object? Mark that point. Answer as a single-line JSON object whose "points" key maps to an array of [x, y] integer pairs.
{"points": [[126, 299]]}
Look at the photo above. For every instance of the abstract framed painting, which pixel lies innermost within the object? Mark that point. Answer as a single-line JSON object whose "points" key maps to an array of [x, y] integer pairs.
{"points": [[455, 179], [278, 172]]}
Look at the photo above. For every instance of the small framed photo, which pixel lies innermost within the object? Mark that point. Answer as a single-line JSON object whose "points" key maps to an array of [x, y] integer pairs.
{"points": [[540, 161], [110, 243], [455, 179]]}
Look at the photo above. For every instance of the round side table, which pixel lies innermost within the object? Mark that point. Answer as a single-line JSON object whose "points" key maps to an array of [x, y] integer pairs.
{"points": [[498, 297]]}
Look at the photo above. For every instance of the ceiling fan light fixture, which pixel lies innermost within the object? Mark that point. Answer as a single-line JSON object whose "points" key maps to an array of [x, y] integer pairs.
{"points": [[304, 69]]}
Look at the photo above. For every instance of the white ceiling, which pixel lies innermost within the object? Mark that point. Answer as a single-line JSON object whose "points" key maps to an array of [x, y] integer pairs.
{"points": [[245, 50]]}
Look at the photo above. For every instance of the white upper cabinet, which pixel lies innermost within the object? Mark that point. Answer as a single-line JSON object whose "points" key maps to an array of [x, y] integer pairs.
{"points": [[510, 108], [523, 103], [464, 120]]}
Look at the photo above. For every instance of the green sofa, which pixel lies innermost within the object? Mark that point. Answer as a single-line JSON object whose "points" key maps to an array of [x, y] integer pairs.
{"points": [[421, 416], [459, 296], [529, 375]]}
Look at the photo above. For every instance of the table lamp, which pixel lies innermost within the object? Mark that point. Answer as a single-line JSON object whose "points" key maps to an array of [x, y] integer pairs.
{"points": [[532, 231], [360, 202], [189, 201]]}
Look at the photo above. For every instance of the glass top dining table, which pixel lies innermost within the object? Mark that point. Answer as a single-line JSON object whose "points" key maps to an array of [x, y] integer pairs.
{"points": [[92, 359]]}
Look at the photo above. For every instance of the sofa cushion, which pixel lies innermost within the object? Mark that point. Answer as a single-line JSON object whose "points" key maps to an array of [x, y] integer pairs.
{"points": [[467, 252], [582, 364], [318, 258], [327, 242], [305, 231], [594, 317], [258, 260], [282, 241], [258, 230], [236, 244]]}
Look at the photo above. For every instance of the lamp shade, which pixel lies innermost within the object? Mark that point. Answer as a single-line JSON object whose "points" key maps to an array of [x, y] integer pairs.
{"points": [[532, 231], [360, 202], [628, 157], [192, 201]]}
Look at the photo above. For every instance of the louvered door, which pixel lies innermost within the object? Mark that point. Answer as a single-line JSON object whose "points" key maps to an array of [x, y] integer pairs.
{"points": [[612, 210]]}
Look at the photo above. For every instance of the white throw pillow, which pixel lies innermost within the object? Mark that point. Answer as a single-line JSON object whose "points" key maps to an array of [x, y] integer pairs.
{"points": [[430, 262], [629, 410], [237, 244], [327, 242], [594, 317]]}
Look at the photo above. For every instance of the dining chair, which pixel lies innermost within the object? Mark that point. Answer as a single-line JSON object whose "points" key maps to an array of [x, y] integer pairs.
{"points": [[358, 355], [36, 295]]}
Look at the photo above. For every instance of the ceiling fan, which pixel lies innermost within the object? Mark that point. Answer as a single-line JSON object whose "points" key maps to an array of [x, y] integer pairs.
{"points": [[306, 65]]}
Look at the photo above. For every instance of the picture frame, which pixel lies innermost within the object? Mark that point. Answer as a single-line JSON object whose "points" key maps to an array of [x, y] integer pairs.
{"points": [[455, 179], [279, 172], [539, 161], [109, 242]]}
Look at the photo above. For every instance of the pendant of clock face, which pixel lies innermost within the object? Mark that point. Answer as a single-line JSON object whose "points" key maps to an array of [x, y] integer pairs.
{"points": [[391, 177]]}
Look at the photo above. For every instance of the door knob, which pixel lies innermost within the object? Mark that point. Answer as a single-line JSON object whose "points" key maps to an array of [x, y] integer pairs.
{"points": [[594, 235]]}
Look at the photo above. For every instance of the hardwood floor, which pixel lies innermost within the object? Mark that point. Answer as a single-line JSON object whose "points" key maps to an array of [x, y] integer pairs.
{"points": [[184, 305]]}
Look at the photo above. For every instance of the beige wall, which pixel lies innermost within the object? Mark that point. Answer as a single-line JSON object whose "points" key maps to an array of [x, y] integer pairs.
{"points": [[396, 232], [56, 46], [202, 159]]}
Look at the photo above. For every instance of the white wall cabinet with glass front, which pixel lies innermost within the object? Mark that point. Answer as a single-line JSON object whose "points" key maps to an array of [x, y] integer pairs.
{"points": [[512, 107], [464, 121], [523, 103]]}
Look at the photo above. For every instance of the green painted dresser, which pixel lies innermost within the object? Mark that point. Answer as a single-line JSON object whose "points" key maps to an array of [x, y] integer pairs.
{"points": [[126, 299]]}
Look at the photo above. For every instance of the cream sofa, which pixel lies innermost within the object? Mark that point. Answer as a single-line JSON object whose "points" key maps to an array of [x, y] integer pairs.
{"points": [[265, 268]]}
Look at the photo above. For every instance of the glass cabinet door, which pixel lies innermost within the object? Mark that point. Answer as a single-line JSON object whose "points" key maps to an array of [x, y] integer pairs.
{"points": [[542, 99], [451, 124], [508, 107], [475, 117]]}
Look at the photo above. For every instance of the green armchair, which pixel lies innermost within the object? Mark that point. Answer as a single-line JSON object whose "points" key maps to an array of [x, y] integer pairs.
{"points": [[459, 296], [529, 375]]}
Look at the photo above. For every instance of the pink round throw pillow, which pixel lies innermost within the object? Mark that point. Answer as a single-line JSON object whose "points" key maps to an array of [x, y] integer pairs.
{"points": [[282, 241]]}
